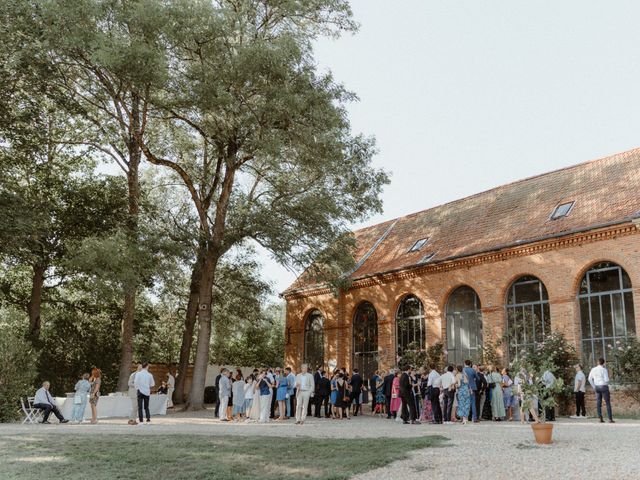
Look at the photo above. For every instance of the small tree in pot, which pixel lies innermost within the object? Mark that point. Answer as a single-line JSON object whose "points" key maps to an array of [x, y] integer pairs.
{"points": [[540, 389]]}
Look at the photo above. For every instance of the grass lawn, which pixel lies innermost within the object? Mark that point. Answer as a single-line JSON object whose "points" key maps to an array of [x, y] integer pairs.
{"points": [[109, 456]]}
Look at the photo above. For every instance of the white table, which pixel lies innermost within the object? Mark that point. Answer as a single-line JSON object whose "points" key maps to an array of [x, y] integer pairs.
{"points": [[113, 406]]}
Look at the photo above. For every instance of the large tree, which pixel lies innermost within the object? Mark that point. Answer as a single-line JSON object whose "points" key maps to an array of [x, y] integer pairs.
{"points": [[49, 202], [70, 63], [258, 137]]}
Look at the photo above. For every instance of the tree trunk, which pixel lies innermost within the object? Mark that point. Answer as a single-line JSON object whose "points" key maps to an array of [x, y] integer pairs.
{"points": [[126, 354], [133, 186], [189, 326], [196, 392], [35, 301]]}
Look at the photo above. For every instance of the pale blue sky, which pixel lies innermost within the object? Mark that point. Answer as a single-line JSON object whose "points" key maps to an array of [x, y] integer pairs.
{"points": [[466, 95]]}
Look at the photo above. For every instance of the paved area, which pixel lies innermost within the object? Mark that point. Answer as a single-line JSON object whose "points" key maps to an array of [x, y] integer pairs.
{"points": [[505, 450]]}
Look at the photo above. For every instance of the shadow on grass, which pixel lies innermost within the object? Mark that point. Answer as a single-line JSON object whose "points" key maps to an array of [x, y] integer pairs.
{"points": [[195, 457]]}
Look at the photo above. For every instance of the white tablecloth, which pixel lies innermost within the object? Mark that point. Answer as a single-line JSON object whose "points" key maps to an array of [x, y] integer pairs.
{"points": [[113, 406]]}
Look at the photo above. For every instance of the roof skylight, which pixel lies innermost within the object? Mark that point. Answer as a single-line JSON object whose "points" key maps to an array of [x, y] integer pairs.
{"points": [[418, 245], [562, 210]]}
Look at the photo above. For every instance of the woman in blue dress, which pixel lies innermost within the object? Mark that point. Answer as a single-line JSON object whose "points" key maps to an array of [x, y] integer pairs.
{"points": [[464, 395], [334, 394], [80, 399], [281, 393]]}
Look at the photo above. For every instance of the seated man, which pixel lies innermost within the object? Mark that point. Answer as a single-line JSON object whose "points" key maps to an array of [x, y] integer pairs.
{"points": [[44, 401]]}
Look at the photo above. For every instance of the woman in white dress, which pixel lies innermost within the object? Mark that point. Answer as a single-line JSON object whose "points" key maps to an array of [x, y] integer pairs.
{"points": [[255, 403]]}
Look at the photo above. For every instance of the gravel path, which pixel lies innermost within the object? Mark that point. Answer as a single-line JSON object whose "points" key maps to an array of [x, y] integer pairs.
{"points": [[482, 451]]}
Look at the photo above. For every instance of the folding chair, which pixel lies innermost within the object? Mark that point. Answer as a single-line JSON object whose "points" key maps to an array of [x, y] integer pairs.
{"points": [[31, 414]]}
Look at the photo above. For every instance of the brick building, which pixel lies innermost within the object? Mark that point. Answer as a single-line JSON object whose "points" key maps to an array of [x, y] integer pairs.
{"points": [[558, 251]]}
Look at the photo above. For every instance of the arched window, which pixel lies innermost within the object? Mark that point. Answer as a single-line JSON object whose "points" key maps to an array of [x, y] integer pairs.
{"points": [[410, 331], [528, 318], [365, 339], [314, 339], [464, 326], [606, 310]]}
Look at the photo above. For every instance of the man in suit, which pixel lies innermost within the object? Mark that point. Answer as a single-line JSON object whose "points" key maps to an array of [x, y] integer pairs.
{"points": [[324, 390], [317, 376], [356, 389], [409, 414], [472, 376], [272, 378], [216, 389], [373, 389], [387, 383], [291, 390]]}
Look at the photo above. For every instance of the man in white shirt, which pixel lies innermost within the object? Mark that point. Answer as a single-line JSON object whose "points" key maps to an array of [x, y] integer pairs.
{"points": [[579, 389], [44, 401], [434, 383], [599, 380], [305, 387], [171, 386], [447, 380], [133, 396], [143, 382]]}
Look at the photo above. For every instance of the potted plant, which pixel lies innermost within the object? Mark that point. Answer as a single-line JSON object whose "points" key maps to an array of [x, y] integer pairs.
{"points": [[540, 388]]}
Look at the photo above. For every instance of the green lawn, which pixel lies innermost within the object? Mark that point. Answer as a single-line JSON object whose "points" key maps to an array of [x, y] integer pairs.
{"points": [[111, 456]]}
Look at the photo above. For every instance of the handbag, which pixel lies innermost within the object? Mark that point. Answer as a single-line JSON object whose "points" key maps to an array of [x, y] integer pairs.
{"points": [[77, 399]]}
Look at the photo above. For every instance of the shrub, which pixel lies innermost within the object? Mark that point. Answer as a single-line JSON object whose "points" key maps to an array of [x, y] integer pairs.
{"points": [[17, 372], [624, 358], [433, 354], [556, 354]]}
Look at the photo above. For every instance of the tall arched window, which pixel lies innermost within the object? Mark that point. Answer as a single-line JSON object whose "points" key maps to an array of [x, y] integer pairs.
{"points": [[464, 326], [314, 339], [410, 329], [365, 339], [528, 318], [606, 310]]}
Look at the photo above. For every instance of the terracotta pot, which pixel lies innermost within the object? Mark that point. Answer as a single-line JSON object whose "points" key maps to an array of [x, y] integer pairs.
{"points": [[542, 432]]}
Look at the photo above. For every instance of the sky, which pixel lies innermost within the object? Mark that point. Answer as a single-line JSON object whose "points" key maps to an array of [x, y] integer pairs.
{"points": [[465, 95]]}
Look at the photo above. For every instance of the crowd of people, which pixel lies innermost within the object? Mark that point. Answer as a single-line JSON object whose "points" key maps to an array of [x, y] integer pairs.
{"points": [[469, 392]]}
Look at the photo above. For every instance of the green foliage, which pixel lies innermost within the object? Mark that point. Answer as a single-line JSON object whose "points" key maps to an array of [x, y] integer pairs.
{"points": [[17, 366], [74, 341], [234, 107], [256, 344], [490, 350], [624, 358], [556, 355], [432, 355]]}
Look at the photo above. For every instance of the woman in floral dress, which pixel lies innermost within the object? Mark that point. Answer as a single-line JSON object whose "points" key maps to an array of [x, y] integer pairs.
{"points": [[464, 395], [426, 415], [497, 399]]}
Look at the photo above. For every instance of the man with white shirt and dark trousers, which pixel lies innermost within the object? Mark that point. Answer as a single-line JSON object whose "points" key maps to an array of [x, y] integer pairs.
{"points": [[599, 380], [434, 383], [447, 380], [579, 389], [44, 401], [143, 382]]}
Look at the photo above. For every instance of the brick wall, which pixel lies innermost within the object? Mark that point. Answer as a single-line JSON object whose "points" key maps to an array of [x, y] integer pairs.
{"points": [[560, 266]]}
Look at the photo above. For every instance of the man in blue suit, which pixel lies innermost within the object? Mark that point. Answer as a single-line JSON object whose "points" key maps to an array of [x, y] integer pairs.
{"points": [[472, 377]]}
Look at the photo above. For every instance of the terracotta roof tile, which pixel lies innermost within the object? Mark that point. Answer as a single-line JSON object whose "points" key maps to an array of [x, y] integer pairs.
{"points": [[604, 191]]}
